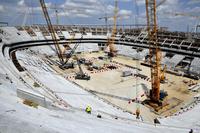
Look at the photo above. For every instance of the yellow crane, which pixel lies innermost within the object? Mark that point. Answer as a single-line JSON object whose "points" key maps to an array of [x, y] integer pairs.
{"points": [[111, 40], [154, 50]]}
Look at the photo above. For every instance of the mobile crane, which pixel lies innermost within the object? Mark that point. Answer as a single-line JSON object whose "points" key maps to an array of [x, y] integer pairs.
{"points": [[79, 75], [66, 64], [52, 31]]}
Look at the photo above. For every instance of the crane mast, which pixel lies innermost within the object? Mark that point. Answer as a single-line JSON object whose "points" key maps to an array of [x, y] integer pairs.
{"points": [[51, 30], [111, 40], [154, 50]]}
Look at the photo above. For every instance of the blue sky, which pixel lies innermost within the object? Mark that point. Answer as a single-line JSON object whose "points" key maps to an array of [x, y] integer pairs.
{"points": [[26, 12]]}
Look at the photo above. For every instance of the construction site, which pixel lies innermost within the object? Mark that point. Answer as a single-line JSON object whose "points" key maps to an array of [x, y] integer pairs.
{"points": [[100, 78]]}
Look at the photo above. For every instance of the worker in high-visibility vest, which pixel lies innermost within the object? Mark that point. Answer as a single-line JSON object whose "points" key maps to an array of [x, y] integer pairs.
{"points": [[88, 109]]}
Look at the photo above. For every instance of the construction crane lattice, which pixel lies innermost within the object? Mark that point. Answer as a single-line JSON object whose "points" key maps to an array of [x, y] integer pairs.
{"points": [[51, 30], [154, 50], [111, 40]]}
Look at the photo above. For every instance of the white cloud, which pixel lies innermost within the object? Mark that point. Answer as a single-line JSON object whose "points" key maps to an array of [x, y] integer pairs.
{"points": [[140, 2], [2, 9], [169, 5], [82, 15], [125, 12], [91, 8], [21, 3], [125, 0], [193, 2], [79, 8]]}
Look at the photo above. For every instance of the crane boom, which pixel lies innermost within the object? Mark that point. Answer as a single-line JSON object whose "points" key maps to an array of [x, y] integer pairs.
{"points": [[51, 30], [154, 50], [72, 51], [71, 40], [183, 14]]}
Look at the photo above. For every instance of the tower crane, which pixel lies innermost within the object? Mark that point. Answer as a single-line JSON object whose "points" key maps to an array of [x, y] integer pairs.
{"points": [[56, 14], [154, 50], [111, 40], [106, 18], [182, 14]]}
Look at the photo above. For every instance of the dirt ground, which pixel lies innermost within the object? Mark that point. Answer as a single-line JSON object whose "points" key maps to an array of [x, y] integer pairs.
{"points": [[111, 86]]}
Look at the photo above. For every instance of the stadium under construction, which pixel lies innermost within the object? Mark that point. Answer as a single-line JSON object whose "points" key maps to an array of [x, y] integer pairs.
{"points": [[99, 78]]}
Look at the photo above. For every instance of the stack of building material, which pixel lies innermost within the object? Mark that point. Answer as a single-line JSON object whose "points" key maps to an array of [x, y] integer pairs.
{"points": [[174, 61], [89, 47], [195, 88], [195, 66]]}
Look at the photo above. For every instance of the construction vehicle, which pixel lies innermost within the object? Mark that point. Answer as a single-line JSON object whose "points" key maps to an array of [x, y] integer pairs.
{"points": [[154, 51], [90, 68], [81, 75], [82, 60], [126, 73], [97, 67], [88, 63], [66, 64], [163, 94]]}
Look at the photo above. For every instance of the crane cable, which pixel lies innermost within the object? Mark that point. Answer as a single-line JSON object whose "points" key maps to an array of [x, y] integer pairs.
{"points": [[137, 89], [137, 106]]}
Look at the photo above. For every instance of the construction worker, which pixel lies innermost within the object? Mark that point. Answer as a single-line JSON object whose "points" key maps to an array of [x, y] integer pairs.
{"points": [[191, 131], [156, 121], [137, 113], [88, 109]]}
